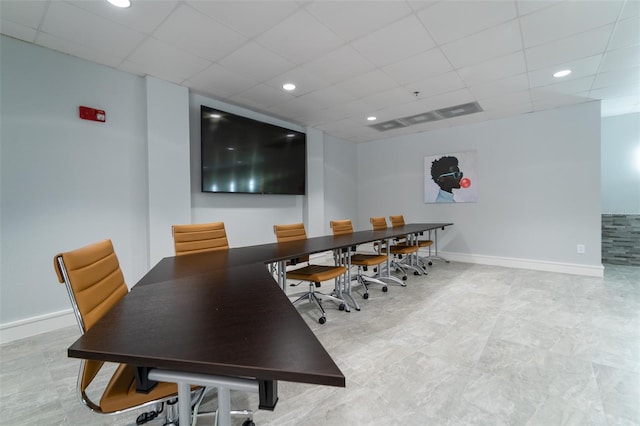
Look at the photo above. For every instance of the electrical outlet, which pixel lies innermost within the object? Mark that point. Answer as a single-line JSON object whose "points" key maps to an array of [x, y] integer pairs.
{"points": [[580, 249]]}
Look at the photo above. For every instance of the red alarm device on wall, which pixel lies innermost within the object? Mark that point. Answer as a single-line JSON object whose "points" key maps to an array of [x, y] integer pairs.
{"points": [[87, 113]]}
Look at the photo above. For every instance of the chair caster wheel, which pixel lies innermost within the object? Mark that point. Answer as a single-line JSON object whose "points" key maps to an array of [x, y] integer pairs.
{"points": [[416, 273], [365, 296], [248, 422], [385, 289], [430, 263], [404, 278], [322, 320], [341, 307]]}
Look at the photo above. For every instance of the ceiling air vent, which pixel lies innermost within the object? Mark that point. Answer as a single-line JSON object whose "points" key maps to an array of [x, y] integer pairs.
{"points": [[421, 118], [388, 125], [458, 110], [425, 117]]}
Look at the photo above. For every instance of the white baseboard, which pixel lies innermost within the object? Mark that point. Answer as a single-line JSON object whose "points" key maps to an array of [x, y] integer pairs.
{"points": [[536, 265], [36, 325]]}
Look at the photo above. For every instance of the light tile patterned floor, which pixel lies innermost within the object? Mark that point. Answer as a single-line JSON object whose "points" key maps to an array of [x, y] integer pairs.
{"points": [[465, 345]]}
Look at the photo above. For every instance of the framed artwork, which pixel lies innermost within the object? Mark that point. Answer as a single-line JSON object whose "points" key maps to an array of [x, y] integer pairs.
{"points": [[451, 178]]}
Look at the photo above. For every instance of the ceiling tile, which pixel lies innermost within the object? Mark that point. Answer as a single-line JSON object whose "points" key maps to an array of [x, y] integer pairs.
{"points": [[75, 49], [494, 69], [567, 18], [443, 83], [626, 34], [448, 99], [261, 96], [26, 13], [547, 100], [304, 80], [628, 57], [418, 67], [294, 108], [366, 84], [255, 62], [516, 83], [413, 107], [18, 31], [631, 9], [507, 101], [389, 98], [192, 31], [526, 7], [249, 18], [340, 64], [452, 20], [400, 40], [144, 16], [570, 87], [300, 38], [354, 19], [357, 108], [167, 62], [70, 23], [580, 68], [329, 97], [219, 82], [578, 46], [326, 115], [494, 42]]}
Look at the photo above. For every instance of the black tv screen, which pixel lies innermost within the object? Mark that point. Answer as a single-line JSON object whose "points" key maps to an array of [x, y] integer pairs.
{"points": [[241, 155]]}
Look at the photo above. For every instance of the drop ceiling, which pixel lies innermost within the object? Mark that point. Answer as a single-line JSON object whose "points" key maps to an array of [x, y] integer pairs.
{"points": [[354, 59]]}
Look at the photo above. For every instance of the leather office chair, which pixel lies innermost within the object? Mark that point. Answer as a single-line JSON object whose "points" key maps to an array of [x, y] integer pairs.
{"points": [[314, 274], [361, 260], [397, 250], [95, 284], [199, 237], [398, 220]]}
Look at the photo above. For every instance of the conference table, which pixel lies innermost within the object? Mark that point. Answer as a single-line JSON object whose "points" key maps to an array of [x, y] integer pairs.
{"points": [[222, 315]]}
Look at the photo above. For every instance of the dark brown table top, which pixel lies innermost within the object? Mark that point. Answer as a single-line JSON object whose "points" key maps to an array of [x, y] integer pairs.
{"points": [[222, 313]]}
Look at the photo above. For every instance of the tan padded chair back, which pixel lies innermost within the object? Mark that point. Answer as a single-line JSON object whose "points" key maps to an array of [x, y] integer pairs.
{"points": [[95, 284], [396, 220], [378, 223], [341, 227], [94, 279], [198, 238], [291, 232]]}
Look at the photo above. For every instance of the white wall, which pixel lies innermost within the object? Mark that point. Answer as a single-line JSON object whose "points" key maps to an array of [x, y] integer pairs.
{"points": [[66, 182], [539, 188], [340, 181], [621, 164]]}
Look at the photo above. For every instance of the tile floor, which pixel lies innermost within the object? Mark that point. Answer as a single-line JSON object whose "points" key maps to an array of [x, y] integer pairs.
{"points": [[465, 345]]}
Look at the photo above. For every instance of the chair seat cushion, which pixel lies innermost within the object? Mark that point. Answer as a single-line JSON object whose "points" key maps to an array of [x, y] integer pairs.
{"points": [[368, 259], [402, 249], [121, 393], [316, 273]]}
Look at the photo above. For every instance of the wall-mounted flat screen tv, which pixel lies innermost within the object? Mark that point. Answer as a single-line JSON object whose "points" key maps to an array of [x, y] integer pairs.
{"points": [[241, 155]]}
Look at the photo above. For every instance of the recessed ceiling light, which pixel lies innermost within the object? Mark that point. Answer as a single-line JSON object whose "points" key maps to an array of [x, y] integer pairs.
{"points": [[372, 118], [120, 3], [562, 73], [288, 86]]}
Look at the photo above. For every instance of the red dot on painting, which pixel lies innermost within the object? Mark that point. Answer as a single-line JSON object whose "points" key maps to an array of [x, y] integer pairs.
{"points": [[465, 182]]}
